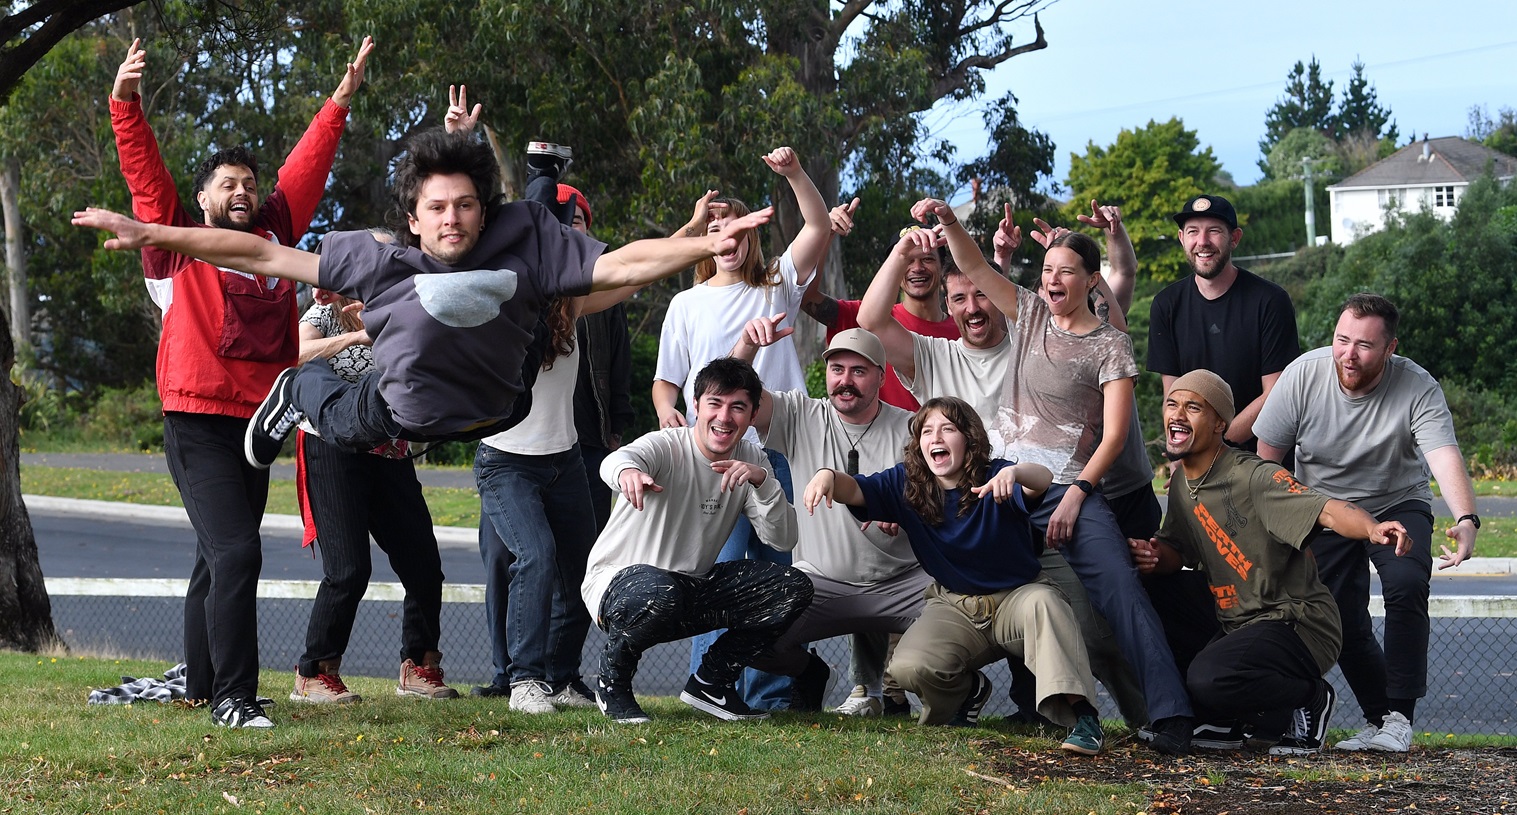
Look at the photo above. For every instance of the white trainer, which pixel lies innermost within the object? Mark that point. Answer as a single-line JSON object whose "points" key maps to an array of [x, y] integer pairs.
{"points": [[1360, 741], [1395, 735], [531, 696], [861, 706]]}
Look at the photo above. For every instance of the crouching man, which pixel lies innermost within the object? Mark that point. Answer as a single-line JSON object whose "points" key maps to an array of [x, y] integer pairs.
{"points": [[653, 575]]}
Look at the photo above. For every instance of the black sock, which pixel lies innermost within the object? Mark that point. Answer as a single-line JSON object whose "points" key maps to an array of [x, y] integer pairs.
{"points": [[1085, 708], [1406, 707]]}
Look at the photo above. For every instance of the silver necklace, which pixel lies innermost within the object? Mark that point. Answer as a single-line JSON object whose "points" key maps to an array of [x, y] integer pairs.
{"points": [[1197, 488]]}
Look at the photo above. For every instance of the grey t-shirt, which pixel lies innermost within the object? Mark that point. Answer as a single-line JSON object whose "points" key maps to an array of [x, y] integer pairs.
{"points": [[1367, 449], [1051, 409], [449, 340], [810, 433]]}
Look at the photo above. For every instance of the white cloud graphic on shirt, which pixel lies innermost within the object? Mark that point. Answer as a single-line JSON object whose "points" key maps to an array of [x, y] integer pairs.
{"points": [[465, 299]]}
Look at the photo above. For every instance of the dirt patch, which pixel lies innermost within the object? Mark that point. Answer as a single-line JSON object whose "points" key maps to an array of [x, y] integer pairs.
{"points": [[1482, 780]]}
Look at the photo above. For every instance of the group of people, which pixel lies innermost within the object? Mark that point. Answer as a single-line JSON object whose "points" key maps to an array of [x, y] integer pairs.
{"points": [[974, 486]]}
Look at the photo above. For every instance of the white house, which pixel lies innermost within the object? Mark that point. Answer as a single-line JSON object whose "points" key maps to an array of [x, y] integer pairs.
{"points": [[1432, 173]]}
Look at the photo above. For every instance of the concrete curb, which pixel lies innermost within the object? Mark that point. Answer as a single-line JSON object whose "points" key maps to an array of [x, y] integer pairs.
{"points": [[447, 536], [468, 537]]}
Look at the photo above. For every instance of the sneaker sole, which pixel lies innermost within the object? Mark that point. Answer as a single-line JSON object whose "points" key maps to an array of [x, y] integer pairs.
{"points": [[295, 697], [718, 711], [1071, 747], [1216, 744], [624, 719], [424, 695], [1277, 750]]}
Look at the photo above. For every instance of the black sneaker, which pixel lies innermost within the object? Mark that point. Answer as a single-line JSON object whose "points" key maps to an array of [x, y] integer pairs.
{"points": [[272, 422], [547, 158], [721, 701], [236, 711], [1308, 726], [489, 691], [969, 711], [1170, 736], [618, 703], [808, 690], [896, 707], [1218, 736]]}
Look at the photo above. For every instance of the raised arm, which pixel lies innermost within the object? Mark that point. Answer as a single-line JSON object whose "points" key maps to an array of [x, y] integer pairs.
{"points": [[352, 77], [879, 301], [646, 261], [966, 255], [824, 307], [761, 332], [810, 244], [230, 248], [1117, 285], [698, 219]]}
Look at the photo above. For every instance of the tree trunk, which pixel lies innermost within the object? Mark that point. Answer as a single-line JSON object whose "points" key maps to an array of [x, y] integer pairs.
{"points": [[26, 614], [20, 314]]}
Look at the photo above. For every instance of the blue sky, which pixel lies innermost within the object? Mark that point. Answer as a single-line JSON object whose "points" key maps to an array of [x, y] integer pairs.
{"points": [[1219, 66]]}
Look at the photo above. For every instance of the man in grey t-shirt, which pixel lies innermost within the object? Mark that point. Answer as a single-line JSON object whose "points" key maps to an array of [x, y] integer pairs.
{"points": [[1367, 426]]}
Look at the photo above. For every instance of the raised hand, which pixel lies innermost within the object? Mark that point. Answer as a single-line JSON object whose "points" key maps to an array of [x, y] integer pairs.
{"points": [[1000, 486], [634, 484], [459, 118], [1007, 237], [784, 161], [934, 206], [727, 238], [1105, 217], [129, 75], [353, 76], [842, 218], [762, 332], [130, 234], [1045, 233]]}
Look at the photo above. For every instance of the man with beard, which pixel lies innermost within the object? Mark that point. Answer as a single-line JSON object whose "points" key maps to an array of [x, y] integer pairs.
{"points": [[865, 580], [653, 575], [1367, 426], [1244, 523], [1222, 318], [225, 338]]}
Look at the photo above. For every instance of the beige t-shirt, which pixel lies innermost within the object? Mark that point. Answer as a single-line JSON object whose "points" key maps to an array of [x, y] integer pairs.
{"points": [[951, 368], [1245, 529], [813, 436], [681, 529]]}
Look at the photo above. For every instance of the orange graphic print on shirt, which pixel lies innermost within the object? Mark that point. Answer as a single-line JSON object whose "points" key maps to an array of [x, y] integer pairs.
{"points": [[1226, 596], [1225, 546]]}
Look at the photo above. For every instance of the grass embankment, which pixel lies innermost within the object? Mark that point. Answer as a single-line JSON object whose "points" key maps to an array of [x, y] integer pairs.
{"points": [[460, 507], [474, 756]]}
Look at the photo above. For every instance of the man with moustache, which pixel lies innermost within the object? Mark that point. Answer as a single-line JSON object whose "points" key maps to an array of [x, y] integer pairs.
{"points": [[653, 575], [1222, 318], [1367, 426], [864, 580], [1245, 523]]}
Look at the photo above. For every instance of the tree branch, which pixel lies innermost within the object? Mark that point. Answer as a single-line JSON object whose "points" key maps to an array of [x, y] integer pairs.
{"points": [[59, 18], [955, 78]]}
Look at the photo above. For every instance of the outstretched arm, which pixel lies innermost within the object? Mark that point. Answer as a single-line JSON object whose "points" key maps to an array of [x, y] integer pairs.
{"points": [[879, 301], [1352, 522], [966, 255], [242, 251], [810, 244], [646, 261], [832, 486]]}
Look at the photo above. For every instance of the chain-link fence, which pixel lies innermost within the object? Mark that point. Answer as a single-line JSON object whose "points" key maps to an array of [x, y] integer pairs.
{"points": [[1471, 660]]}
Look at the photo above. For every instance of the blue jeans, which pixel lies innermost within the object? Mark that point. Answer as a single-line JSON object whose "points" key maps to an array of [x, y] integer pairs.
{"points": [[762, 691], [536, 530]]}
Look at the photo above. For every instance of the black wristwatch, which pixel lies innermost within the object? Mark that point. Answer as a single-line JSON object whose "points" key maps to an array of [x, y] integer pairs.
{"points": [[1472, 518], [1086, 488]]}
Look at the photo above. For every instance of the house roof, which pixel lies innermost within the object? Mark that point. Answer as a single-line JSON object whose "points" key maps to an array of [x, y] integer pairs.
{"points": [[1450, 160]]}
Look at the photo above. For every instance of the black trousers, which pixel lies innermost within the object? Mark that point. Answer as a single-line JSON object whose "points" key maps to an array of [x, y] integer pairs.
{"points": [[1257, 674], [755, 600], [351, 496], [225, 498]]}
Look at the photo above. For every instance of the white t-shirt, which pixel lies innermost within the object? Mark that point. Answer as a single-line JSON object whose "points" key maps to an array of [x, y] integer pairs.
{"points": [[549, 426], [704, 322], [681, 529], [951, 368], [810, 433]]}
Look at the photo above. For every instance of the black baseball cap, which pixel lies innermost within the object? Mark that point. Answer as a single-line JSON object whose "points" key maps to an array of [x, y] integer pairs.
{"points": [[1210, 206]]}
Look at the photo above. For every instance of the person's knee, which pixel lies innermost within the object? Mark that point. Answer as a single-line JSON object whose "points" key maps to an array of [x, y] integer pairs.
{"points": [[639, 594], [797, 590]]}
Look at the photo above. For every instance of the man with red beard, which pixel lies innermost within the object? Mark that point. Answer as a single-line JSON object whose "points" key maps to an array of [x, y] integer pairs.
{"points": [[1366, 426], [1222, 318], [1245, 523]]}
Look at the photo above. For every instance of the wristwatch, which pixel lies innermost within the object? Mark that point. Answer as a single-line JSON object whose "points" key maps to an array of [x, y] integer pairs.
{"points": [[1472, 518], [1086, 488]]}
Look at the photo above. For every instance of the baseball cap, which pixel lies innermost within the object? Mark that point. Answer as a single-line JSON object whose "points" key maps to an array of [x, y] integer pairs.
{"points": [[860, 342], [1210, 206]]}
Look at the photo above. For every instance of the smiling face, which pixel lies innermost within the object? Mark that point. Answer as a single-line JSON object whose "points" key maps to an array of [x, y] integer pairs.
{"points": [[448, 216], [1209, 245], [1192, 429], [1066, 282], [980, 323], [1361, 349], [924, 272], [853, 385], [944, 447], [229, 198], [721, 419]]}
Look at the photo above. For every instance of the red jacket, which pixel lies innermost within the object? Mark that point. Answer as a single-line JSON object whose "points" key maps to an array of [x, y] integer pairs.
{"points": [[225, 334]]}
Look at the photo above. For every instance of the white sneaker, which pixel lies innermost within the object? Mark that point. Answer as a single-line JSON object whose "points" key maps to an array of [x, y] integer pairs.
{"points": [[574, 694], [861, 706], [1359, 741], [1395, 735], [531, 696]]}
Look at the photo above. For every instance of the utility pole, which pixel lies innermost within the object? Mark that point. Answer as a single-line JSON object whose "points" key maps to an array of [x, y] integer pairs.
{"points": [[1311, 208]]}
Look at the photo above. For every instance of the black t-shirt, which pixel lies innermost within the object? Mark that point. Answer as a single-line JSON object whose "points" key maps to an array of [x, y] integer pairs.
{"points": [[1244, 335]]}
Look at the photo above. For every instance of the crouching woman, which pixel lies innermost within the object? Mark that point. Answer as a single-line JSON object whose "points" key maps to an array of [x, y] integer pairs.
{"points": [[967, 518]]}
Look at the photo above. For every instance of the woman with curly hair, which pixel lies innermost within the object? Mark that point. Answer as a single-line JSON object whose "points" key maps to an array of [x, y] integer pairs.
{"points": [[988, 600]]}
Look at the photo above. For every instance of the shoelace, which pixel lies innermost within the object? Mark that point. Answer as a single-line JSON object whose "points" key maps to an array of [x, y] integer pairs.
{"points": [[431, 676], [287, 420], [333, 683]]}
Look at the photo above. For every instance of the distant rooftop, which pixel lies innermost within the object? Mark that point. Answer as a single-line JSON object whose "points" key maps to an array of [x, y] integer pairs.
{"points": [[1446, 160]]}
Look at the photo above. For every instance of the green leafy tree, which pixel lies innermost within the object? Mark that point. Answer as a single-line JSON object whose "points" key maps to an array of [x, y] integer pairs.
{"points": [[1150, 172], [1498, 134], [1359, 110], [1285, 157]]}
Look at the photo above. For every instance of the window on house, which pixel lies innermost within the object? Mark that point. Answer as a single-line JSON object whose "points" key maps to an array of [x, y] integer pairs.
{"points": [[1389, 199], [1443, 196]]}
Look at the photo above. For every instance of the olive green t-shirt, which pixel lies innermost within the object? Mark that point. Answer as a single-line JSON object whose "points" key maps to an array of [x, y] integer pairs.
{"points": [[1246, 529]]}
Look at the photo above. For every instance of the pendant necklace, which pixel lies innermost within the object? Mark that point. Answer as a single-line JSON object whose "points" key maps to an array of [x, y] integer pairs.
{"points": [[853, 444], [1197, 488]]}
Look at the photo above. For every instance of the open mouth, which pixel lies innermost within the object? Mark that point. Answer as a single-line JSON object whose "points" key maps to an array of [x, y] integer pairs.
{"points": [[721, 434], [1178, 434], [977, 322], [918, 279], [938, 455], [240, 208], [1056, 296]]}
